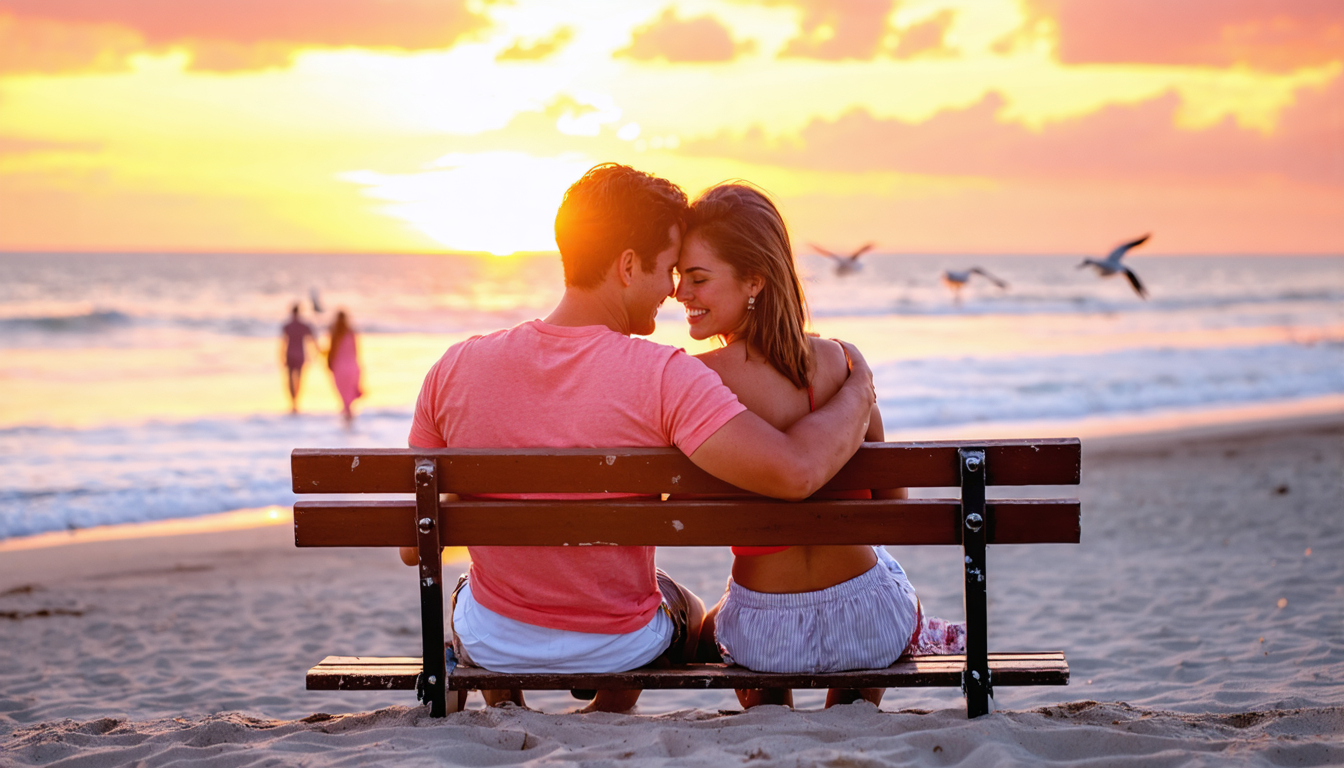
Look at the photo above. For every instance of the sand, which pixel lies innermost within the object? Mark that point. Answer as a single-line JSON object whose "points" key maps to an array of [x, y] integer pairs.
{"points": [[1203, 616]]}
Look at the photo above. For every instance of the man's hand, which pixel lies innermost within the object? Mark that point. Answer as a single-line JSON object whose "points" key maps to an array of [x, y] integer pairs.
{"points": [[858, 367], [751, 454]]}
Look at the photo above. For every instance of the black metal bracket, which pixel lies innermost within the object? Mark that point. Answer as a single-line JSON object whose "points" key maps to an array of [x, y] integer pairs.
{"points": [[433, 676], [975, 679]]}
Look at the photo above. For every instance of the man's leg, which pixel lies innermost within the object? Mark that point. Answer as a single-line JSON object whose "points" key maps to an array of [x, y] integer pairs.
{"points": [[493, 698], [617, 701], [515, 695], [688, 614], [688, 617], [295, 375]]}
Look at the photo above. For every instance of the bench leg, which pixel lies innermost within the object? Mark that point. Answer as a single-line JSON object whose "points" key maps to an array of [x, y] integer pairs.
{"points": [[434, 673], [975, 681]]}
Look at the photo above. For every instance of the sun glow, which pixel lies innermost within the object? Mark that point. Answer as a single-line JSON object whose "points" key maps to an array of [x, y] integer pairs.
{"points": [[494, 202], [830, 105]]}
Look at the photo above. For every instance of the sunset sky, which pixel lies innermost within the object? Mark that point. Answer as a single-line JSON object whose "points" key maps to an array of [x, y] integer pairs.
{"points": [[991, 126]]}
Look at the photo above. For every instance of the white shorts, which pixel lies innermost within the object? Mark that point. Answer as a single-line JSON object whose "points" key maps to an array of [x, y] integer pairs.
{"points": [[484, 638], [863, 623]]}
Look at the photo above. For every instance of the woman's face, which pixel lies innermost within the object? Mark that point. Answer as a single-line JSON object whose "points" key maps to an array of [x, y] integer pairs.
{"points": [[714, 297]]}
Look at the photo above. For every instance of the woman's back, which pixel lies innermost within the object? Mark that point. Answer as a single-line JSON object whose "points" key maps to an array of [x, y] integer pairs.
{"points": [[766, 392], [770, 395]]}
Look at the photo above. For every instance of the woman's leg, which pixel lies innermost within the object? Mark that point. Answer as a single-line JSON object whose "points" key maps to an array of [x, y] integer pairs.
{"points": [[850, 695], [755, 697], [708, 650]]}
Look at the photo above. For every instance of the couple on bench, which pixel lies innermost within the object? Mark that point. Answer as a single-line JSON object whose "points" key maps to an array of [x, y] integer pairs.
{"points": [[774, 411]]}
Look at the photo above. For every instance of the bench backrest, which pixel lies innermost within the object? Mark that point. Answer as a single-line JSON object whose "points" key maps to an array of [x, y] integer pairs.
{"points": [[678, 521]]}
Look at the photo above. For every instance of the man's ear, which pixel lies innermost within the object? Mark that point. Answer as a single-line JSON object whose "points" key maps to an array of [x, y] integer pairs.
{"points": [[626, 264]]}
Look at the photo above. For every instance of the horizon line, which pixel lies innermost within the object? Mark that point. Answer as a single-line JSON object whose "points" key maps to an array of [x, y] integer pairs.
{"points": [[533, 254]]}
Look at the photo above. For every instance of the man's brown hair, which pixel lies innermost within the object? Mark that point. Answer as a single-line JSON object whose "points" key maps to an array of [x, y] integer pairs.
{"points": [[612, 208]]}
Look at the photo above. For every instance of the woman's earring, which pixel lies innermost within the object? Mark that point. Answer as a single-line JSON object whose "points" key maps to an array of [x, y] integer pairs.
{"points": [[751, 303]]}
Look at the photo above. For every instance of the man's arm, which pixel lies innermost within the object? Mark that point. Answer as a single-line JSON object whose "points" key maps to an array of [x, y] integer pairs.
{"points": [[876, 434], [795, 463]]}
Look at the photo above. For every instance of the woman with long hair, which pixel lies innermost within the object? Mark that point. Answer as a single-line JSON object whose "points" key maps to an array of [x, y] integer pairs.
{"points": [[343, 361], [807, 608]]}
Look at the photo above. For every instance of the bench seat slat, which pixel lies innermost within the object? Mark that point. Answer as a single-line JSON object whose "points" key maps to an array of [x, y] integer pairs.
{"points": [[349, 673], [681, 523], [1054, 461], [365, 673]]}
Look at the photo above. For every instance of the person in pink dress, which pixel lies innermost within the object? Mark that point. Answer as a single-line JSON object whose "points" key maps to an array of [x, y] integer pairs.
{"points": [[343, 361]]}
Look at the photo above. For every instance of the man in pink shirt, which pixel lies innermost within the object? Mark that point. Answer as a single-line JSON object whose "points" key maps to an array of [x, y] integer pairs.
{"points": [[578, 379]]}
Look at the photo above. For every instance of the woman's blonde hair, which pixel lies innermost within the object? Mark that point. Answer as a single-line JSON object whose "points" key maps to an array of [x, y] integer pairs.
{"points": [[743, 228]]}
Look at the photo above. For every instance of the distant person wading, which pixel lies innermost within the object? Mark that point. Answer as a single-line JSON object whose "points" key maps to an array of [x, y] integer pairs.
{"points": [[295, 335]]}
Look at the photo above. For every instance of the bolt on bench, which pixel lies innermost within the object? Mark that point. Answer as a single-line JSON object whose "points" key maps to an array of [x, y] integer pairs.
{"points": [[428, 523]]}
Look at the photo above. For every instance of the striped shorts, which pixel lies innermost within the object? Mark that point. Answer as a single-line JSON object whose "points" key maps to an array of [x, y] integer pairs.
{"points": [[863, 623]]}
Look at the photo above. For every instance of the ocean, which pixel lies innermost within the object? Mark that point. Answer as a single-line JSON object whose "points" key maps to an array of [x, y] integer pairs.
{"points": [[149, 387]]}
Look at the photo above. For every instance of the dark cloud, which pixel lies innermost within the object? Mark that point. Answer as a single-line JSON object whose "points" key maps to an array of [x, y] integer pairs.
{"points": [[57, 35], [1276, 35], [698, 40]]}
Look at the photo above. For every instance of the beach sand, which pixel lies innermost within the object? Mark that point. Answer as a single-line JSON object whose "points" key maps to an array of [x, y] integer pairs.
{"points": [[1203, 617]]}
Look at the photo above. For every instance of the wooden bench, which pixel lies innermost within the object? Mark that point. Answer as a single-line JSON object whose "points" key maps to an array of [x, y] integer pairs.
{"points": [[428, 523]]}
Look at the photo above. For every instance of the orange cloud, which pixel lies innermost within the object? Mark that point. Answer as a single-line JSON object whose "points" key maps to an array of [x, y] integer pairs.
{"points": [[13, 145], [1277, 35], [1121, 142], [40, 45], [63, 35], [702, 39], [840, 29]]}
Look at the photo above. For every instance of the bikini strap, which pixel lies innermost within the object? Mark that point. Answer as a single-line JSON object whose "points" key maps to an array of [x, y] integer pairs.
{"points": [[811, 403]]}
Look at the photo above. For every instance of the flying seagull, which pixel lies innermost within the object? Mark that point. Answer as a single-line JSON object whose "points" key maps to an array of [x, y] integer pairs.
{"points": [[844, 265], [1111, 265], [957, 279]]}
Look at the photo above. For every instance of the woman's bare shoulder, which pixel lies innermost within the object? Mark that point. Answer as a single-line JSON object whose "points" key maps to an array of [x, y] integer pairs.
{"points": [[832, 368], [718, 360]]}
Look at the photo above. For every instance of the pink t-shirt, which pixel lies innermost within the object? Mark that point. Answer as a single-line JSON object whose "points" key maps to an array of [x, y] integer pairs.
{"points": [[538, 385]]}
